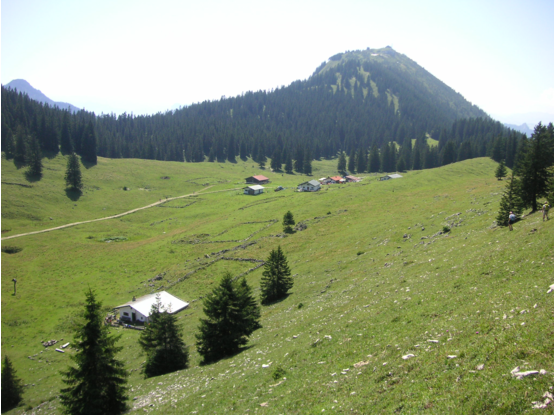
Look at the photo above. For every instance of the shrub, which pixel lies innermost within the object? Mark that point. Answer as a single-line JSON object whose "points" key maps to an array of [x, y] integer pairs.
{"points": [[446, 229], [278, 372]]}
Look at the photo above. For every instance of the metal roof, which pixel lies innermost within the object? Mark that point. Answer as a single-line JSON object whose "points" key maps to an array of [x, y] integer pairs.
{"points": [[255, 187], [143, 304], [260, 177]]}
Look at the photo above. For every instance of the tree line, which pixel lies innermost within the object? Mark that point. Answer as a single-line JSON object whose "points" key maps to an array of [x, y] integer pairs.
{"points": [[357, 106]]}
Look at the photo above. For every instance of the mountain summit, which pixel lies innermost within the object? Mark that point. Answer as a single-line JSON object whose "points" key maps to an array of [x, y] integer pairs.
{"points": [[21, 85]]}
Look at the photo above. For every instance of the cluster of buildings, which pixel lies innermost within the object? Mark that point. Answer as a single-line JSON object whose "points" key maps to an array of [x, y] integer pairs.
{"points": [[256, 183]]}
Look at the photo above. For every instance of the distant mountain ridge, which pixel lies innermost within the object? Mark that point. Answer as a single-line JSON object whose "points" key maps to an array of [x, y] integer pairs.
{"points": [[21, 85], [523, 128]]}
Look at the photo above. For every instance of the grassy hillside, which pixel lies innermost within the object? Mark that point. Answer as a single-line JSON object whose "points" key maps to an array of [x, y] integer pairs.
{"points": [[374, 281]]}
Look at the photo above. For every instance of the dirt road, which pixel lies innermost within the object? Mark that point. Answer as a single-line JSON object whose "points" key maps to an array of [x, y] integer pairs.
{"points": [[119, 215]]}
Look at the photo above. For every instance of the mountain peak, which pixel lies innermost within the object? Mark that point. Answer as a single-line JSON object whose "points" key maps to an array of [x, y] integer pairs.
{"points": [[21, 85]]}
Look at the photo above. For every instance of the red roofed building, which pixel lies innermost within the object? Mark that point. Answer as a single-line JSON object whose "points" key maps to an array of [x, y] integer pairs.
{"points": [[338, 179], [257, 179]]}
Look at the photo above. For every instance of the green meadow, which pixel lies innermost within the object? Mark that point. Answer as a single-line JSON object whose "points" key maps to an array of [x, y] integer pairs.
{"points": [[375, 280]]}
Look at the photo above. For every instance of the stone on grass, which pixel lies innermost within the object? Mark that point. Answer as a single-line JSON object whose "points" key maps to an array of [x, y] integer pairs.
{"points": [[408, 356], [451, 356], [480, 367]]}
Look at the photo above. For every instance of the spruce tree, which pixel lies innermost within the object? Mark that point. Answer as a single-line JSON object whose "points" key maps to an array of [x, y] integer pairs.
{"points": [[501, 170], [162, 342], [374, 160], [65, 138], [288, 164], [352, 161], [12, 386], [307, 163], [73, 173], [341, 163], [88, 146], [276, 278], [362, 160], [97, 385], [401, 166], [533, 166], [33, 158], [510, 202], [229, 323], [288, 221], [19, 147]]}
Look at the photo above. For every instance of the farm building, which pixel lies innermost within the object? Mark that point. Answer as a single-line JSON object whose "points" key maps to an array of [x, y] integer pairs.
{"points": [[138, 309], [257, 179], [352, 179], [390, 176], [253, 190], [310, 186], [337, 179]]}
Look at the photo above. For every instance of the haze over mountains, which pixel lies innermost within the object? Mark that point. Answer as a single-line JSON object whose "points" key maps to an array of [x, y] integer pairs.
{"points": [[23, 86]]}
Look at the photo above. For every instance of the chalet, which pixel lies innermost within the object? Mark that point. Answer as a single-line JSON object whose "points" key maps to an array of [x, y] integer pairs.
{"points": [[138, 309], [310, 186], [253, 190], [390, 176], [352, 179], [257, 179], [326, 180]]}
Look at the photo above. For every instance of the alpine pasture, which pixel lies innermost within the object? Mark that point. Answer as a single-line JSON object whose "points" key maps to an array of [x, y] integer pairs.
{"points": [[386, 314]]}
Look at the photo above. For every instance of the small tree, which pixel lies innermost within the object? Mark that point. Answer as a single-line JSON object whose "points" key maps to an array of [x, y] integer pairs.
{"points": [[12, 387], [276, 278], [162, 342], [232, 315], [98, 384], [510, 202], [501, 170], [342, 162], [288, 221], [73, 172]]}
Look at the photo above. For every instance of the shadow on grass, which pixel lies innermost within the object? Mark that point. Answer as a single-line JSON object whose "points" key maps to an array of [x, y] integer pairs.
{"points": [[74, 194], [18, 164], [31, 178], [279, 300], [87, 164], [229, 356]]}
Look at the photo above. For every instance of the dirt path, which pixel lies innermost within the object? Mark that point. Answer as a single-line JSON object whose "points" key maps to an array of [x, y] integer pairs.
{"points": [[119, 215]]}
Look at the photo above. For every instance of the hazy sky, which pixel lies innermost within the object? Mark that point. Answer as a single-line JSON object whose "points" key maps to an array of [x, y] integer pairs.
{"points": [[146, 56]]}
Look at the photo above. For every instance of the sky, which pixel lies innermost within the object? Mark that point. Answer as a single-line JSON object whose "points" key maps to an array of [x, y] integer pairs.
{"points": [[144, 57]]}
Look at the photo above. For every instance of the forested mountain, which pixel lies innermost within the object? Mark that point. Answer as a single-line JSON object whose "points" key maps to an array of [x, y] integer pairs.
{"points": [[356, 102], [22, 85]]}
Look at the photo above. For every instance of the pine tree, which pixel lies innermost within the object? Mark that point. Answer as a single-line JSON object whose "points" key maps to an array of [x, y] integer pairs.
{"points": [[501, 170], [352, 161], [33, 158], [162, 342], [307, 163], [65, 138], [288, 221], [448, 153], [12, 386], [97, 385], [20, 147], [276, 278], [362, 160], [229, 322], [341, 162], [510, 202], [374, 160], [299, 159], [401, 166], [88, 146], [73, 173], [288, 164], [533, 167]]}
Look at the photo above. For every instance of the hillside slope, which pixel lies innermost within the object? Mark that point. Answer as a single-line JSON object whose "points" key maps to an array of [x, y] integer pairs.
{"points": [[374, 281]]}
